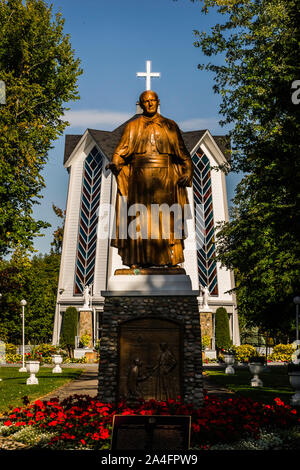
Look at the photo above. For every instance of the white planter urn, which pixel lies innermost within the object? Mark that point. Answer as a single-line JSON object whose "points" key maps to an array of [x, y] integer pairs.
{"points": [[295, 383], [57, 359], [229, 361], [256, 368], [32, 367]]}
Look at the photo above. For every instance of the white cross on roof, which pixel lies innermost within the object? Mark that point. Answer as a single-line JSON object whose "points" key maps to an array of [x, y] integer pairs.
{"points": [[148, 74]]}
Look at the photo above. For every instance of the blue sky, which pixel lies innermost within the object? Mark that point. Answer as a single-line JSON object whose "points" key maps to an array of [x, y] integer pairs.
{"points": [[113, 39]]}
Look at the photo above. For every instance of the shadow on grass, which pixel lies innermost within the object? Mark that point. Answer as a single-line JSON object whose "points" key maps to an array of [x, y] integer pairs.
{"points": [[275, 383]]}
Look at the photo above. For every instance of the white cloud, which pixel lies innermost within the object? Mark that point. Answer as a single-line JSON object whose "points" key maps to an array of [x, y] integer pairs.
{"points": [[108, 120], [95, 118], [200, 123]]}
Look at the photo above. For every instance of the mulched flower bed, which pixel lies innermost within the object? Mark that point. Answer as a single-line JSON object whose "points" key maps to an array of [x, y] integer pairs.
{"points": [[84, 422]]}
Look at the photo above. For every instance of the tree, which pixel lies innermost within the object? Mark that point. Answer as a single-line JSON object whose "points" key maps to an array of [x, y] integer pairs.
{"points": [[69, 329], [222, 335], [58, 234], [38, 67], [13, 276], [41, 295], [259, 42], [34, 280]]}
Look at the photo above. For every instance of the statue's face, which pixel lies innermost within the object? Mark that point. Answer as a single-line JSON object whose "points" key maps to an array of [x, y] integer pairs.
{"points": [[149, 103]]}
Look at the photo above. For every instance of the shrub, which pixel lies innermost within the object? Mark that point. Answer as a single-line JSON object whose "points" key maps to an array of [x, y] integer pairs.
{"points": [[41, 352], [69, 329], [47, 349], [283, 352], [244, 352], [205, 342], [223, 340], [10, 348], [78, 360], [85, 339], [13, 358]]}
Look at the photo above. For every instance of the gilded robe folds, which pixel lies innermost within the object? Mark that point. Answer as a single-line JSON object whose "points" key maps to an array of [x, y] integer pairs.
{"points": [[151, 157]]}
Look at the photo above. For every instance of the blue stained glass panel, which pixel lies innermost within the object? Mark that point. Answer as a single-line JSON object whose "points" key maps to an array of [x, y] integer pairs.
{"points": [[204, 218], [88, 220]]}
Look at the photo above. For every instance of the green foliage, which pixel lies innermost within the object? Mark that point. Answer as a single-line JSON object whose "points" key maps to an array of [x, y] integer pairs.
{"points": [[78, 360], [41, 298], [58, 234], [41, 352], [244, 352], [47, 349], [13, 358], [205, 342], [252, 336], [10, 348], [85, 339], [69, 329], [282, 352], [259, 41], [223, 340], [35, 281], [38, 67], [3, 333]]}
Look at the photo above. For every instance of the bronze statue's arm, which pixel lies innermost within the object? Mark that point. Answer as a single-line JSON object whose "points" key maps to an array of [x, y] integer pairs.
{"points": [[186, 178], [113, 168], [120, 153]]}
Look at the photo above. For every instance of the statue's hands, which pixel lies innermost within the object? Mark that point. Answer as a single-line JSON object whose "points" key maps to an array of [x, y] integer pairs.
{"points": [[184, 180], [113, 168]]}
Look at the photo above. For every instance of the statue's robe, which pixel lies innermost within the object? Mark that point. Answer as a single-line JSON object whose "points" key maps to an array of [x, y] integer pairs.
{"points": [[150, 158]]}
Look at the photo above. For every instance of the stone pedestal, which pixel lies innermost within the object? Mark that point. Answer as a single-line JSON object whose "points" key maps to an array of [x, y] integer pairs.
{"points": [[150, 347], [85, 325], [150, 284]]}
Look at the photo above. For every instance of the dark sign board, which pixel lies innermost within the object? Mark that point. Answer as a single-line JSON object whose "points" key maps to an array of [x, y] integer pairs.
{"points": [[151, 432]]}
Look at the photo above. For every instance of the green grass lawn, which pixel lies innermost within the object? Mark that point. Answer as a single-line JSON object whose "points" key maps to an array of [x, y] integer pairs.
{"points": [[275, 383], [13, 385]]}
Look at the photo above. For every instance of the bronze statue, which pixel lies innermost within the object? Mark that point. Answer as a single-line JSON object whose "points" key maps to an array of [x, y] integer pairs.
{"points": [[134, 378], [164, 379], [152, 167]]}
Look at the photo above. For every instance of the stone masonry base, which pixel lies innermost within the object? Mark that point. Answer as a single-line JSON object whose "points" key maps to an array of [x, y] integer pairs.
{"points": [[178, 308]]}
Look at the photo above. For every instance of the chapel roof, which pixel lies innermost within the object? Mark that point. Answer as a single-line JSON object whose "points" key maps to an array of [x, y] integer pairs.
{"points": [[108, 140]]}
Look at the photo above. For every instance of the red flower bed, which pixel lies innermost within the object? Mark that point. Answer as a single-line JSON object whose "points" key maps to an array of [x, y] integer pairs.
{"points": [[85, 421]]}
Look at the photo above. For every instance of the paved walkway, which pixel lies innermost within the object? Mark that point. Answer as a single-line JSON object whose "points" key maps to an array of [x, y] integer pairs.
{"points": [[85, 384], [212, 388]]}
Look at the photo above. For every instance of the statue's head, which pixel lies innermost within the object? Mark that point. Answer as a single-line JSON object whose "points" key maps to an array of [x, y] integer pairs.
{"points": [[149, 102]]}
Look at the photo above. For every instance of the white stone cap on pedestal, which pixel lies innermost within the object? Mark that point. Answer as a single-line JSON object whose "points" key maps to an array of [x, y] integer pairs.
{"points": [[80, 352], [82, 309], [150, 284]]}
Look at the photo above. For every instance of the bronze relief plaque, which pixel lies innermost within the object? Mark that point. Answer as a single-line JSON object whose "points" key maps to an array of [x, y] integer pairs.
{"points": [[150, 352]]}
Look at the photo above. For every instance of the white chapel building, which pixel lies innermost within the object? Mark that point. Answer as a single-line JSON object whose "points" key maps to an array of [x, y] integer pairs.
{"points": [[89, 260]]}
